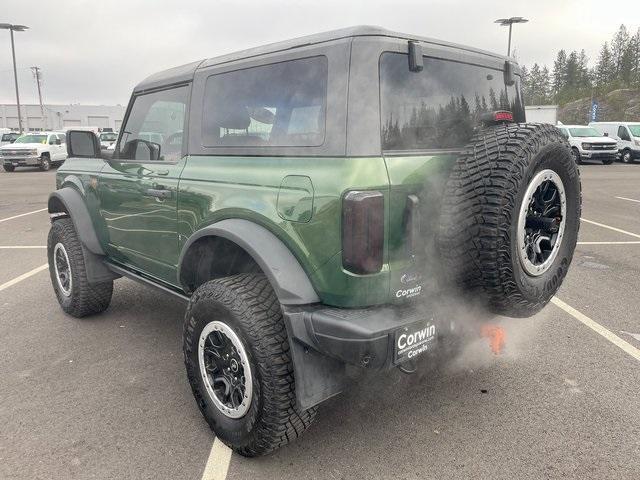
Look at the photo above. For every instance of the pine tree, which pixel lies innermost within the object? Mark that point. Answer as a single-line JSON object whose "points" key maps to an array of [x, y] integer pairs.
{"points": [[634, 60], [604, 70], [559, 72], [545, 85], [618, 48]]}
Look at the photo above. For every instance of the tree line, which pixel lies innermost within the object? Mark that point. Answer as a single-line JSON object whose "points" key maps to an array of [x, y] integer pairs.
{"points": [[571, 77]]}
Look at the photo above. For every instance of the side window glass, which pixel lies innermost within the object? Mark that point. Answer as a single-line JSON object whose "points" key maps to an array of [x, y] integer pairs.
{"points": [[281, 104], [623, 134], [154, 128], [564, 132], [62, 138]]}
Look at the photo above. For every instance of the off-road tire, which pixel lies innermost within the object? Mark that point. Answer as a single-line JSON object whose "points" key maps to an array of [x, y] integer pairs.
{"points": [[477, 234], [248, 304], [9, 168], [45, 162], [85, 298]]}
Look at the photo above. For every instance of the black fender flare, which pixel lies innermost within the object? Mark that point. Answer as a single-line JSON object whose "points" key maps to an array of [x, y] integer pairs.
{"points": [[287, 277], [74, 206]]}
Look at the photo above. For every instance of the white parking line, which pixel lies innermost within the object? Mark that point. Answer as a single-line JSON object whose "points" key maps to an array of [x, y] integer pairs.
{"points": [[21, 215], [8, 247], [218, 462], [628, 199], [610, 227], [609, 243], [24, 276], [599, 329]]}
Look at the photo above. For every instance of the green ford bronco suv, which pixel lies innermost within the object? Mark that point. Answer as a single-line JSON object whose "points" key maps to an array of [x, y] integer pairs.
{"points": [[314, 201]]}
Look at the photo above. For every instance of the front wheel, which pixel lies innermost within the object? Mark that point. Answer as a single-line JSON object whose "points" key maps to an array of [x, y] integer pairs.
{"points": [[607, 161], [76, 295], [626, 156], [9, 168], [236, 353], [45, 163], [576, 156]]}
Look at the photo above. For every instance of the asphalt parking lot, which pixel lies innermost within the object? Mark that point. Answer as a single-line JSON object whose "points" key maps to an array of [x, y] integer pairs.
{"points": [[107, 397]]}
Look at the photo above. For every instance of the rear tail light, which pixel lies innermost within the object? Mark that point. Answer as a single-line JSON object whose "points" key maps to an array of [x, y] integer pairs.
{"points": [[362, 231]]}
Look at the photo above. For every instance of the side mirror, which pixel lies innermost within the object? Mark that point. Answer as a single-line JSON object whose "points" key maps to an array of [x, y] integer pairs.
{"points": [[82, 144], [605, 134], [58, 142]]}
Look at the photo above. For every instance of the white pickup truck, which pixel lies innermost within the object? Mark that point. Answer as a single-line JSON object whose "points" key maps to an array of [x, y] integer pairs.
{"points": [[589, 144], [38, 149]]}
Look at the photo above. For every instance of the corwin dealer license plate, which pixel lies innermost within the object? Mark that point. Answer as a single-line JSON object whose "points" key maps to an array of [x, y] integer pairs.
{"points": [[414, 340]]}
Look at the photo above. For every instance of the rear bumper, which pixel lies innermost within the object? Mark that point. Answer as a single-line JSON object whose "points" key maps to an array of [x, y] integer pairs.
{"points": [[360, 337], [30, 161], [324, 341]]}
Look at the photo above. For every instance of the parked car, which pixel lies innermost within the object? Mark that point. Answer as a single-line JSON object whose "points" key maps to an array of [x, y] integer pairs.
{"points": [[318, 225], [627, 134], [39, 149], [8, 137], [107, 139], [587, 143]]}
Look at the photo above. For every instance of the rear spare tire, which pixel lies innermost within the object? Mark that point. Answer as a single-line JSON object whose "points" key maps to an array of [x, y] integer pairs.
{"points": [[510, 217]]}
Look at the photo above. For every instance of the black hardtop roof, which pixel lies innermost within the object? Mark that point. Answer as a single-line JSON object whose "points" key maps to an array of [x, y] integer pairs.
{"points": [[185, 73]]}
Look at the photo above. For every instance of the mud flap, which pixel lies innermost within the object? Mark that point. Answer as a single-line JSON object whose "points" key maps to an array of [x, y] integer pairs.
{"points": [[318, 377]]}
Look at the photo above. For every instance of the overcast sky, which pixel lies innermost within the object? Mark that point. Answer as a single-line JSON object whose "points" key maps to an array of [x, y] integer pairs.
{"points": [[94, 52]]}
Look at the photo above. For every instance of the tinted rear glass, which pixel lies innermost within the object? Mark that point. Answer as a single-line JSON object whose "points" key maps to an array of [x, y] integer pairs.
{"points": [[273, 105], [439, 107]]}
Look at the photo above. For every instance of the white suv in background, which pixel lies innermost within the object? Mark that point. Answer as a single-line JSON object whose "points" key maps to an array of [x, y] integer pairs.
{"points": [[589, 143], [627, 135], [35, 149]]}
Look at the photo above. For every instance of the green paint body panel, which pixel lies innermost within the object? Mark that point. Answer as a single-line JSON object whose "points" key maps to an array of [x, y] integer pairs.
{"points": [[297, 199]]}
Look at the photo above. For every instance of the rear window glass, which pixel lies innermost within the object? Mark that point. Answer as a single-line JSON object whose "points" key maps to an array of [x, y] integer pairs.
{"points": [[282, 104], [441, 106]]}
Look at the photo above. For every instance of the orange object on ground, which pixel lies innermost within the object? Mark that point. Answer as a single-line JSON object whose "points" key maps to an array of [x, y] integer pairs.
{"points": [[496, 336]]}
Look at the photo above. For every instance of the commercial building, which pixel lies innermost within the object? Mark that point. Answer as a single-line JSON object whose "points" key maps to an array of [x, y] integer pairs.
{"points": [[57, 117]]}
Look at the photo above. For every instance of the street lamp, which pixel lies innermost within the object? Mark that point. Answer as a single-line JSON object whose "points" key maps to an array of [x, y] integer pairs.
{"points": [[510, 21], [15, 28]]}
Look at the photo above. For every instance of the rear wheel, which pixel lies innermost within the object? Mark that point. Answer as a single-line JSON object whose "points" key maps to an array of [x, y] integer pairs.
{"points": [[236, 353], [510, 217], [9, 168]]}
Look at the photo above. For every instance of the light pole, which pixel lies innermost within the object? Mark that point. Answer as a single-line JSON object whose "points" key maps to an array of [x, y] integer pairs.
{"points": [[16, 28], [510, 21]]}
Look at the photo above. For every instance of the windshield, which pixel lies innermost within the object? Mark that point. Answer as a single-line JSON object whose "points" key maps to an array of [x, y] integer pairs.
{"points": [[584, 132], [32, 139], [635, 130], [109, 137]]}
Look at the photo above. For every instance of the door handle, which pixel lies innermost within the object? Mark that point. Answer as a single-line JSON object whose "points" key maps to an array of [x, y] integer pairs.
{"points": [[160, 193], [162, 172]]}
